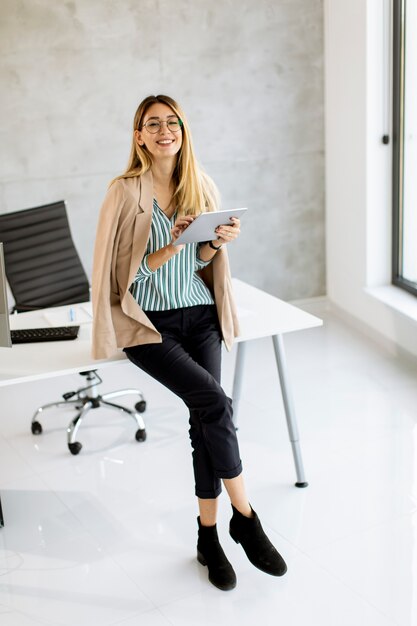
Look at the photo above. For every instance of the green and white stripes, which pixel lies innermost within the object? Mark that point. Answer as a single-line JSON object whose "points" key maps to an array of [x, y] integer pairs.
{"points": [[175, 284]]}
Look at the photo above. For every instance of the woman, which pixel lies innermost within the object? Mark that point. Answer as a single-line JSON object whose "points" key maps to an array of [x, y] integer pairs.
{"points": [[169, 307]]}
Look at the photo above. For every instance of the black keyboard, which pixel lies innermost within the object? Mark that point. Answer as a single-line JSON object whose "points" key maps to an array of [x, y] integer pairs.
{"points": [[55, 333]]}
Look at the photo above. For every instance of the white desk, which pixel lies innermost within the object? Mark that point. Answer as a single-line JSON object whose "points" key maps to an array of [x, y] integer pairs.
{"points": [[27, 362], [263, 315], [260, 315]]}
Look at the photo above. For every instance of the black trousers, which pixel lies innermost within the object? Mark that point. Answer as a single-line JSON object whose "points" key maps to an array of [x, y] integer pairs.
{"points": [[188, 362]]}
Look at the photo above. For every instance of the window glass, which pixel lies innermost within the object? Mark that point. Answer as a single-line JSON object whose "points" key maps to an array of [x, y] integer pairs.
{"points": [[409, 217]]}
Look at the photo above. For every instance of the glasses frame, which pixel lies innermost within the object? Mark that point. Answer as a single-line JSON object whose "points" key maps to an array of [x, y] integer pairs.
{"points": [[160, 122]]}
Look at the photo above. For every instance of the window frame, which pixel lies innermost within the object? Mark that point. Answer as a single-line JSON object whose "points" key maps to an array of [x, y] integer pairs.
{"points": [[398, 64]]}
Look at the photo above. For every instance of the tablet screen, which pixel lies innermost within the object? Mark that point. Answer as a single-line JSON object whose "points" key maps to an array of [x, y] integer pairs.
{"points": [[203, 228]]}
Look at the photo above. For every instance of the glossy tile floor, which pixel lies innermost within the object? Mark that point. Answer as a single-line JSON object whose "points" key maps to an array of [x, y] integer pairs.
{"points": [[108, 537]]}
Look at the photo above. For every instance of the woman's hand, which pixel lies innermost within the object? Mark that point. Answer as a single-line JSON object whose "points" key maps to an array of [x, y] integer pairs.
{"points": [[228, 232], [181, 223]]}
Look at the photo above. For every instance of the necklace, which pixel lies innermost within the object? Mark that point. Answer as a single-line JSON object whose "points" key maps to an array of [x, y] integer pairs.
{"points": [[167, 207], [169, 211], [164, 194]]}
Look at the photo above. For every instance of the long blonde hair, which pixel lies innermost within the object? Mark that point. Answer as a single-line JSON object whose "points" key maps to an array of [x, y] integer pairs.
{"points": [[195, 192]]}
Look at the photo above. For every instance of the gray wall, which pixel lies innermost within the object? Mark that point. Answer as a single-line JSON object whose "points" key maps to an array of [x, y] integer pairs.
{"points": [[249, 75]]}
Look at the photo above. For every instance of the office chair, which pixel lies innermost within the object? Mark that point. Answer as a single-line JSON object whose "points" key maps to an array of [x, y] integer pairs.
{"points": [[44, 270]]}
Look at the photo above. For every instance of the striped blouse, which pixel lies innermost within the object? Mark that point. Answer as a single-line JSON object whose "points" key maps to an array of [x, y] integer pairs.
{"points": [[176, 283]]}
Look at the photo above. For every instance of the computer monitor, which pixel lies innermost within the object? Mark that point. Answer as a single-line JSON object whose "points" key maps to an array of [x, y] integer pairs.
{"points": [[5, 341]]}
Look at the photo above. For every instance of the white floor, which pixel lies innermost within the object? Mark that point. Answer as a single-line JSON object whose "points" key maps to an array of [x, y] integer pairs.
{"points": [[108, 537]]}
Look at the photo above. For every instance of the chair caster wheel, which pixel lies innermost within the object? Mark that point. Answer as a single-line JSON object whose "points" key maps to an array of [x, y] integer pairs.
{"points": [[36, 428], [141, 406], [75, 447], [140, 434]]}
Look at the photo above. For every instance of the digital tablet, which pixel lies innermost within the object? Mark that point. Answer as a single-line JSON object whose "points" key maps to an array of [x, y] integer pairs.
{"points": [[203, 228]]}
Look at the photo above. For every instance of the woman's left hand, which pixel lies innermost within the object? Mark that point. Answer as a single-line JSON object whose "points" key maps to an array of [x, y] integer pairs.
{"points": [[228, 232]]}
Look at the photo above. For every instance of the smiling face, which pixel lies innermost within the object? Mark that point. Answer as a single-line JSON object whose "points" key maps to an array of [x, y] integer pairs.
{"points": [[164, 143]]}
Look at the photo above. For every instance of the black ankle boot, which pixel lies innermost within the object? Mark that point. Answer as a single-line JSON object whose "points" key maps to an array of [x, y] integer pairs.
{"points": [[261, 553], [210, 553]]}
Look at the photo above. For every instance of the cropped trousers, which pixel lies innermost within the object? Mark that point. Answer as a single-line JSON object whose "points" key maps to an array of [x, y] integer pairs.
{"points": [[188, 362]]}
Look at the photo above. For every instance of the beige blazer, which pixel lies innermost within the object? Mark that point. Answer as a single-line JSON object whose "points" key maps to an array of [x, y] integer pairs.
{"points": [[122, 235]]}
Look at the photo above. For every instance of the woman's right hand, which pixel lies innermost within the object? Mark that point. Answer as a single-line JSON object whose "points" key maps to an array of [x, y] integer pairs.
{"points": [[181, 223], [161, 256]]}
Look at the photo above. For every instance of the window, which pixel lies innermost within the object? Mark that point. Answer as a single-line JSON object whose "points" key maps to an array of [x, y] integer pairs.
{"points": [[405, 145]]}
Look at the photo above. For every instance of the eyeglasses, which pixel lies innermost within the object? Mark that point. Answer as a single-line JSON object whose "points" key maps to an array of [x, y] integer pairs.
{"points": [[174, 124]]}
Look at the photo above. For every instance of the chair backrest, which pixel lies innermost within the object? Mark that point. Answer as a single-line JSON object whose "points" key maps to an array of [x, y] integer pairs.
{"points": [[42, 264]]}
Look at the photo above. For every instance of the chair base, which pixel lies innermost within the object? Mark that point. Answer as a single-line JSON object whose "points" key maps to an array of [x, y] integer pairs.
{"points": [[85, 401]]}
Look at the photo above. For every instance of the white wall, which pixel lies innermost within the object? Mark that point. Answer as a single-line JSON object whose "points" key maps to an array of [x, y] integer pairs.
{"points": [[358, 173]]}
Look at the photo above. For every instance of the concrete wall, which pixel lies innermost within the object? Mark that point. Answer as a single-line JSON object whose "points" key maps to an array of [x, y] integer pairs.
{"points": [[249, 75]]}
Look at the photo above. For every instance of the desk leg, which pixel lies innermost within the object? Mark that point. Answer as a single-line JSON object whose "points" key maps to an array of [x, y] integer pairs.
{"points": [[1, 516], [237, 380], [289, 409]]}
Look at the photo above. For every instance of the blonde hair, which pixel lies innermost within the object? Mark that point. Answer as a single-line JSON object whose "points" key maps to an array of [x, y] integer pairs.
{"points": [[195, 192]]}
